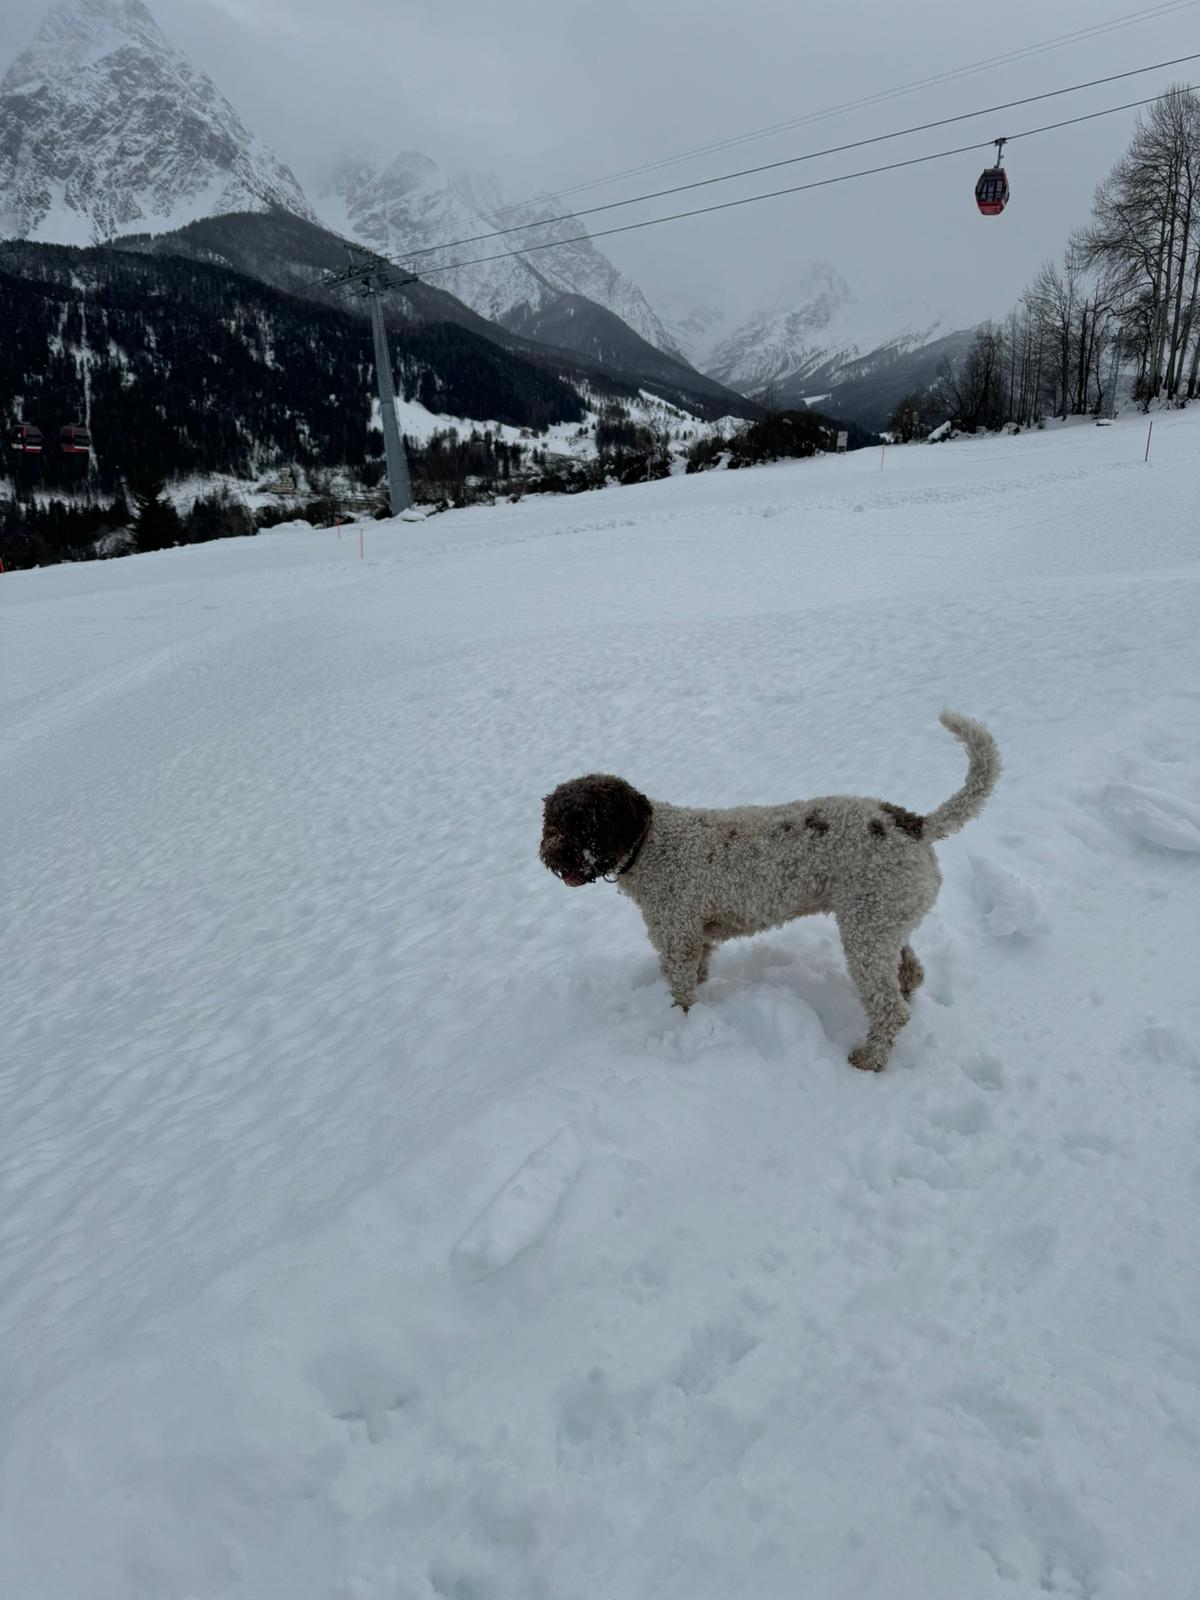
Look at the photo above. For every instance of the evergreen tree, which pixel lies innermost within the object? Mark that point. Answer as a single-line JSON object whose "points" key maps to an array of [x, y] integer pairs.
{"points": [[217, 516], [156, 523]]}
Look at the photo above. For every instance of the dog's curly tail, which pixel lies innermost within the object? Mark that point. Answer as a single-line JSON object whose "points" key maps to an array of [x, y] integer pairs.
{"points": [[982, 774]]}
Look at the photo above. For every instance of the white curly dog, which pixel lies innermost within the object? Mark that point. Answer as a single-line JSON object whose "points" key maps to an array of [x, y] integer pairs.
{"points": [[700, 877]]}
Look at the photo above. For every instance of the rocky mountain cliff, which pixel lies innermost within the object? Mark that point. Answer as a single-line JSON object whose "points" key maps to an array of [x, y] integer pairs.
{"points": [[408, 208], [105, 128]]}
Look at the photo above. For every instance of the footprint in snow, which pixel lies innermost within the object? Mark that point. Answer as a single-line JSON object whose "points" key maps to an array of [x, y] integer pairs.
{"points": [[1011, 1424], [359, 1390], [715, 1349], [592, 1420], [1160, 1041], [985, 1072], [963, 1117], [1011, 905], [1086, 1145], [1019, 1258]]}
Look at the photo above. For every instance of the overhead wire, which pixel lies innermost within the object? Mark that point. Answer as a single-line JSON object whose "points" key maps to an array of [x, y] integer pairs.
{"points": [[791, 161], [400, 262], [952, 74], [772, 194]]}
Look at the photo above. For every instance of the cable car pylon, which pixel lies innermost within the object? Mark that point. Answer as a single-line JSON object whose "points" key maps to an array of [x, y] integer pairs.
{"points": [[369, 276]]}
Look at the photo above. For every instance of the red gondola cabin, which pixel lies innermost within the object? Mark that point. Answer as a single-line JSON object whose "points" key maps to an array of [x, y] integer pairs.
{"points": [[991, 192], [26, 438], [74, 441]]}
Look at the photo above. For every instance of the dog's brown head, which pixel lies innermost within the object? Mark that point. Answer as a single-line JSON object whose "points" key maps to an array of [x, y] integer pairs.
{"points": [[592, 827]]}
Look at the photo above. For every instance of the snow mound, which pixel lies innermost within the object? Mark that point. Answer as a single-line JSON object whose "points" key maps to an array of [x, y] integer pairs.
{"points": [[525, 1207], [1154, 816], [1012, 906]]}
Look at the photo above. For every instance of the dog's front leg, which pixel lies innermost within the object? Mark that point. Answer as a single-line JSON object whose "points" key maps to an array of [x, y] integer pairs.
{"points": [[677, 933], [681, 961]]}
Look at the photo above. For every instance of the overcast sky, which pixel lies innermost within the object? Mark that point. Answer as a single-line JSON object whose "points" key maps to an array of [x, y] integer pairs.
{"points": [[549, 93]]}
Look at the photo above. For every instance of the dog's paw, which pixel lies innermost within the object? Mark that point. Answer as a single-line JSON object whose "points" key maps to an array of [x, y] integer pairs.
{"points": [[681, 1005], [866, 1060]]}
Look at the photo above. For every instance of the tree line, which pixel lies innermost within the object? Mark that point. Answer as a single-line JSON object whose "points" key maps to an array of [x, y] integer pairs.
{"points": [[184, 368]]}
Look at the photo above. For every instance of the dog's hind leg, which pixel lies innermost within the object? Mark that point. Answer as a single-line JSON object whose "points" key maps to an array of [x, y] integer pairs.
{"points": [[874, 957], [705, 958], [912, 973]]}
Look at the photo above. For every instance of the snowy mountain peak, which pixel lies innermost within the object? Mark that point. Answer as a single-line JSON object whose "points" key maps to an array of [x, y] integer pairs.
{"points": [[412, 173], [482, 191], [817, 284], [816, 325], [409, 205], [695, 322], [106, 128], [78, 33]]}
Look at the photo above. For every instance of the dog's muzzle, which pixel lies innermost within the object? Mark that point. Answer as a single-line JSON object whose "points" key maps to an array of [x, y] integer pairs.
{"points": [[565, 863], [573, 880]]}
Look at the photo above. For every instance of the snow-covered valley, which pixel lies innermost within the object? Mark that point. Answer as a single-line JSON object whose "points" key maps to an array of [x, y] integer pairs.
{"points": [[373, 1227]]}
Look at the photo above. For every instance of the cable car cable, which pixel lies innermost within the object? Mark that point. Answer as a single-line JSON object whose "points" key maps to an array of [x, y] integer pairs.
{"points": [[797, 188], [791, 161], [651, 222], [1094, 30]]}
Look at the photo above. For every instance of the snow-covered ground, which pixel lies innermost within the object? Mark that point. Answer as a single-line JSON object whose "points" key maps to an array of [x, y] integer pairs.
{"points": [[372, 1227]]}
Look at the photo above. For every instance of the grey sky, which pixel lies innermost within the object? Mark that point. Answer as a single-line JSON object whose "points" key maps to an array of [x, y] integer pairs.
{"points": [[548, 94]]}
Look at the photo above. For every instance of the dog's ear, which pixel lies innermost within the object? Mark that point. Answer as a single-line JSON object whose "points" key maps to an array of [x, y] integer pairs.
{"points": [[626, 814], [640, 812]]}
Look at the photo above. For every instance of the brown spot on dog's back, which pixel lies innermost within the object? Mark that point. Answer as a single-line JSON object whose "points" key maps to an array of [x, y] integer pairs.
{"points": [[816, 822], [877, 827], [907, 821], [785, 827]]}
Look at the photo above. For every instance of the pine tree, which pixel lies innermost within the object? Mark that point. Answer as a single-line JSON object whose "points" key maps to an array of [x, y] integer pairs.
{"points": [[156, 522]]}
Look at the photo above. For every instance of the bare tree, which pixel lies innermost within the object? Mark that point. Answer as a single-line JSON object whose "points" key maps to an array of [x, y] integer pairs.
{"points": [[1053, 298], [1145, 242], [972, 390], [1127, 291], [912, 416]]}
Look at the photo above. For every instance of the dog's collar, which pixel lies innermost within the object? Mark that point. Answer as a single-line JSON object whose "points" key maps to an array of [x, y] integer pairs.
{"points": [[631, 858]]}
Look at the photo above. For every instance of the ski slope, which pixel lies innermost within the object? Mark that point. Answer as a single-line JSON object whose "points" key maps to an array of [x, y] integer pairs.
{"points": [[372, 1227]]}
